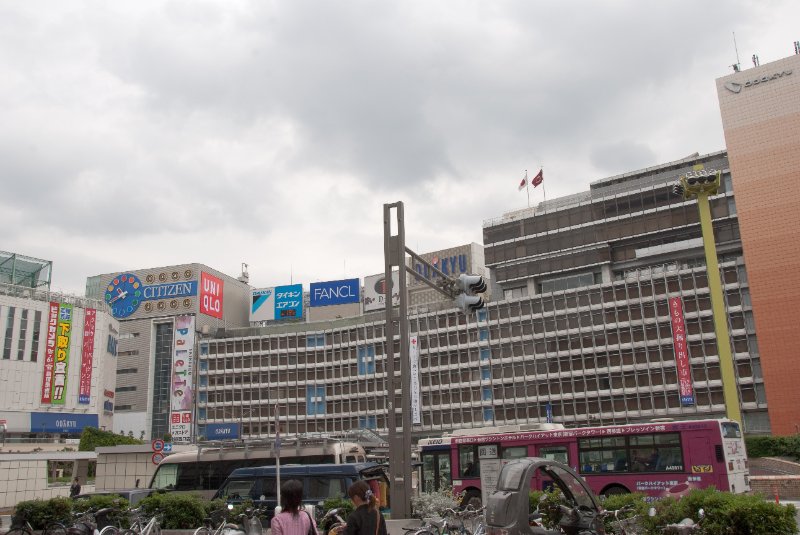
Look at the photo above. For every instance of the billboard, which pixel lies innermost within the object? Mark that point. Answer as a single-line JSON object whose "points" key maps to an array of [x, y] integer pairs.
{"points": [[334, 292], [375, 291], [85, 388], [182, 372], [61, 366], [220, 431], [280, 302], [126, 292], [50, 354], [211, 292], [682, 363], [55, 422], [413, 357]]}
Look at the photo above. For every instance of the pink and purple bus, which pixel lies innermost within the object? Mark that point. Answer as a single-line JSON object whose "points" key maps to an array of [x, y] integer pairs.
{"points": [[660, 458]]}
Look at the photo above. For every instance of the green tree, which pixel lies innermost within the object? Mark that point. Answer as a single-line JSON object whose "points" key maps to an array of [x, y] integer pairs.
{"points": [[92, 438]]}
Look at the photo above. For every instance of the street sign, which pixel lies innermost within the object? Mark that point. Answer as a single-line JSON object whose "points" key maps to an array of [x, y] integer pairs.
{"points": [[167, 447], [158, 445], [157, 457]]}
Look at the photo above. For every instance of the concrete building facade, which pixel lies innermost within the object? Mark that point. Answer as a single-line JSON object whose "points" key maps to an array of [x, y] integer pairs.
{"points": [[760, 110], [159, 309]]}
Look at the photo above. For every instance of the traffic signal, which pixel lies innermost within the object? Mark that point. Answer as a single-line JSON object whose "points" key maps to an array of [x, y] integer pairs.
{"points": [[468, 286], [678, 189]]}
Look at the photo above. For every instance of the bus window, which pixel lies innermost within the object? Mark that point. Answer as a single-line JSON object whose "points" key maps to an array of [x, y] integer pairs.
{"points": [[607, 454], [166, 477], [323, 488], [731, 430], [656, 453], [468, 463], [238, 489], [555, 453], [515, 452]]}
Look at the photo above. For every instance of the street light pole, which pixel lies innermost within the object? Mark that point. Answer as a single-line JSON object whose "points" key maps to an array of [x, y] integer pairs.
{"points": [[701, 184]]}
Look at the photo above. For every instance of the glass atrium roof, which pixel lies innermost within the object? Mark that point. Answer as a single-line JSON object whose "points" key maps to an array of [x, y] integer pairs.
{"points": [[21, 270]]}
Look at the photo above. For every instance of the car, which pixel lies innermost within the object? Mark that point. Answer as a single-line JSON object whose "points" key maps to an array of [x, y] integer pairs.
{"points": [[134, 496]]}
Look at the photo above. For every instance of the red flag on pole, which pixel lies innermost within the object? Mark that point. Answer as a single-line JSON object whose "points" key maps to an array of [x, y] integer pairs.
{"points": [[524, 182], [538, 179]]}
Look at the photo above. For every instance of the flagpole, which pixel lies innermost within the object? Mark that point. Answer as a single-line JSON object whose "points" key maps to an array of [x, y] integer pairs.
{"points": [[544, 191], [528, 188], [277, 456]]}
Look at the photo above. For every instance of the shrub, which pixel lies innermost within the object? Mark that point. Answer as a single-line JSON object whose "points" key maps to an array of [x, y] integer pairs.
{"points": [[41, 512], [180, 511], [433, 504], [344, 505], [95, 503], [92, 438]]}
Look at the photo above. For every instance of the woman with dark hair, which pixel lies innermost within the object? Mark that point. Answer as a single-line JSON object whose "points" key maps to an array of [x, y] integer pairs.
{"points": [[293, 520], [366, 519]]}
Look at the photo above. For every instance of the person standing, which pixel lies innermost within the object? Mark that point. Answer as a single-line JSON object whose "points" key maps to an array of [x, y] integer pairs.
{"points": [[293, 519], [366, 519], [75, 488]]}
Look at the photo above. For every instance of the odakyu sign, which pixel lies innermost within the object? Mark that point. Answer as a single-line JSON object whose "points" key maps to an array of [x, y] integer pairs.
{"points": [[61, 422], [334, 292], [125, 292]]}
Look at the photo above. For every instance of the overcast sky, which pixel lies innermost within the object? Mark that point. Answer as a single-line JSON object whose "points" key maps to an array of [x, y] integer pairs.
{"points": [[144, 134]]}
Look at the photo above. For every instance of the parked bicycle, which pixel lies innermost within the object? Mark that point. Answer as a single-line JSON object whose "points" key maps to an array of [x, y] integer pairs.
{"points": [[88, 522], [21, 526], [218, 524], [140, 525], [332, 522]]}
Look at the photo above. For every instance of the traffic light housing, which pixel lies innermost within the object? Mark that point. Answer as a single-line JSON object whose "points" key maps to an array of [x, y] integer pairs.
{"points": [[468, 286]]}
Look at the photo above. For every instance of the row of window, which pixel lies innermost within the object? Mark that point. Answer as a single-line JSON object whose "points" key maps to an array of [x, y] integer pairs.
{"points": [[7, 337]]}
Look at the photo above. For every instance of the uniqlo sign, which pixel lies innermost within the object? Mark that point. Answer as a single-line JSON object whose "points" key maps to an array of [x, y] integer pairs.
{"points": [[211, 291]]}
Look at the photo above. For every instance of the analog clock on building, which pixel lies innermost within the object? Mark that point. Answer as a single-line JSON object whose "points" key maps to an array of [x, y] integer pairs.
{"points": [[124, 294]]}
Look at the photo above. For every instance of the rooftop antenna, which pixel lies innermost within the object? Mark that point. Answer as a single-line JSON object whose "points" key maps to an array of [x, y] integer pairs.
{"points": [[244, 277], [797, 47], [735, 65], [755, 61]]}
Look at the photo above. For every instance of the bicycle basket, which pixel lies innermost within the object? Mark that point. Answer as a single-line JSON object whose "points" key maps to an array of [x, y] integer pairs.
{"points": [[627, 525], [218, 516], [18, 520]]}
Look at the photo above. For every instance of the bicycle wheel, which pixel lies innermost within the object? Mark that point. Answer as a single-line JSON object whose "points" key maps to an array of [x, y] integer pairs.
{"points": [[109, 530], [19, 531], [202, 531], [55, 528]]}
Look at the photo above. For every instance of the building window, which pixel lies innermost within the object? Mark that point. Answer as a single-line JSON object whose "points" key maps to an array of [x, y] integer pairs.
{"points": [[481, 314], [487, 393], [366, 359], [131, 353], [485, 353], [315, 400], [111, 346], [23, 334], [124, 371], [37, 320], [124, 407], [9, 333], [488, 414], [315, 340], [59, 473], [368, 422], [556, 284], [513, 293], [483, 334], [485, 373], [125, 389]]}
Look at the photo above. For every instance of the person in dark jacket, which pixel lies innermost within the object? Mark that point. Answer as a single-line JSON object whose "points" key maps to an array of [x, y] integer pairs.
{"points": [[366, 519], [75, 488]]}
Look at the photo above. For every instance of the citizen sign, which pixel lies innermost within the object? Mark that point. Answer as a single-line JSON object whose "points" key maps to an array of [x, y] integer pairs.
{"points": [[736, 87]]}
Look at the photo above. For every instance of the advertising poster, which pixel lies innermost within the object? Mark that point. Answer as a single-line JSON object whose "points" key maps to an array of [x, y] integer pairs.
{"points": [[61, 366], [85, 388], [211, 293], [375, 291], [182, 376], [334, 292], [413, 357], [262, 307], [682, 364], [50, 354], [289, 302]]}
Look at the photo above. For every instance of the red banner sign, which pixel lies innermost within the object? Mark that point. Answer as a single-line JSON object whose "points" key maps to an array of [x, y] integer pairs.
{"points": [[50, 354], [211, 291], [85, 389], [681, 351]]}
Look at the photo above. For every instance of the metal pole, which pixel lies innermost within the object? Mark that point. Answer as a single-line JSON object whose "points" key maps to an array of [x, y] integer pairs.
{"points": [[399, 446], [729, 388]]}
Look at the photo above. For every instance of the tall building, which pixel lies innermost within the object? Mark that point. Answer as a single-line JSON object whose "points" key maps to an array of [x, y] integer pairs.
{"points": [[590, 289], [161, 312], [760, 110], [57, 367]]}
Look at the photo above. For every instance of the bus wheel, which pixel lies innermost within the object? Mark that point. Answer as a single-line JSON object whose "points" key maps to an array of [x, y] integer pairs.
{"points": [[615, 489], [472, 499]]}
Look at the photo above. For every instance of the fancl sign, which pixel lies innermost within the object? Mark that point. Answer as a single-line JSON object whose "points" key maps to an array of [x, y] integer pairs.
{"points": [[334, 292]]}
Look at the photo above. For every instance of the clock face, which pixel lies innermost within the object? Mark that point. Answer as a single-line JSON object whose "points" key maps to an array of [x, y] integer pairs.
{"points": [[123, 294]]}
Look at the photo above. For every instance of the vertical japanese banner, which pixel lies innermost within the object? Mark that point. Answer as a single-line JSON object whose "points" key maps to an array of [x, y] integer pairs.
{"points": [[50, 354], [413, 357], [61, 367], [182, 398], [681, 351], [85, 389]]}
